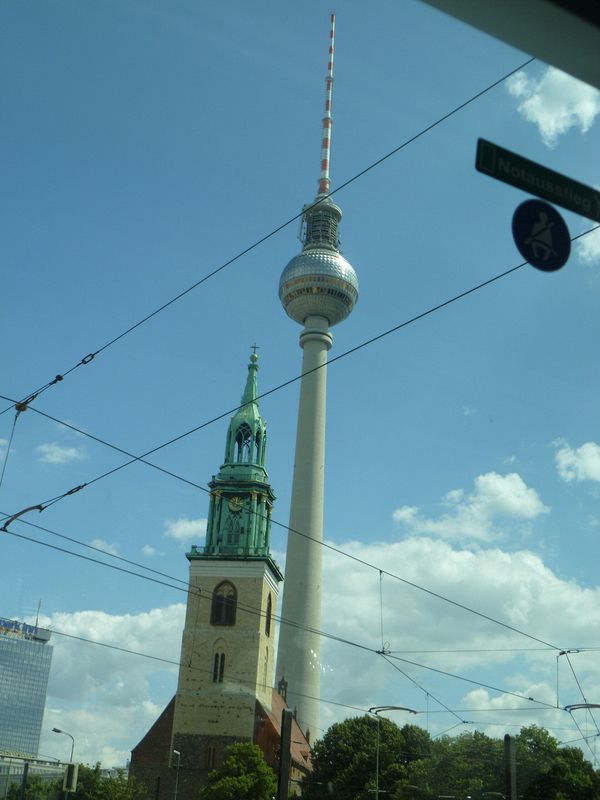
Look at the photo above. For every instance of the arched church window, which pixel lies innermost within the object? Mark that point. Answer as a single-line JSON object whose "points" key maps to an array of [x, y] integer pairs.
{"points": [[218, 667], [243, 442], [268, 615], [224, 603], [257, 453]]}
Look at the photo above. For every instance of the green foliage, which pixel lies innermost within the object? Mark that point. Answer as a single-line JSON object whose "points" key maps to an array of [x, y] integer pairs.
{"points": [[344, 760], [37, 789], [244, 776], [93, 785], [414, 767]]}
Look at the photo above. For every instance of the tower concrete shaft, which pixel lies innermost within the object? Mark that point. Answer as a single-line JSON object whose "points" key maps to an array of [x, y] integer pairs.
{"points": [[318, 289], [299, 642]]}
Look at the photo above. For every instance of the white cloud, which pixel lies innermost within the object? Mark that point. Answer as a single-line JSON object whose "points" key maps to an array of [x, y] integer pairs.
{"points": [[582, 464], [184, 529], [555, 103], [54, 453], [108, 699], [3, 446], [588, 248], [108, 548], [405, 514], [105, 698], [471, 517], [516, 588], [148, 550]]}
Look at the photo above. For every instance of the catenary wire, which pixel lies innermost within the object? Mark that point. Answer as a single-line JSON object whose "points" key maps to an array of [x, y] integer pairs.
{"points": [[141, 458], [187, 589], [422, 589], [92, 355], [356, 348], [8, 446], [173, 662], [585, 700], [281, 620], [422, 688]]}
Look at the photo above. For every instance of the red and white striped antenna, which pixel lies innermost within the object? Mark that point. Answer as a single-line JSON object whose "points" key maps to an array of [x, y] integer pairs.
{"points": [[326, 145]]}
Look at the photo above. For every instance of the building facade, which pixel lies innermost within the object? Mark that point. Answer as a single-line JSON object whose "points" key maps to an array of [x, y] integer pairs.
{"points": [[224, 692], [25, 658]]}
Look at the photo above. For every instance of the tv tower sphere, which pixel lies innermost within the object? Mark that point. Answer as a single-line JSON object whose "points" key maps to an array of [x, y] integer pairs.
{"points": [[319, 281]]}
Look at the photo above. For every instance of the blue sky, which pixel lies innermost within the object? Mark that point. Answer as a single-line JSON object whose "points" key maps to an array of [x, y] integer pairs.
{"points": [[147, 143]]}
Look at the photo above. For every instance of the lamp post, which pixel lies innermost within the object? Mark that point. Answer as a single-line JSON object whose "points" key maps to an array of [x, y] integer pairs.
{"points": [[58, 730], [377, 710], [178, 754]]}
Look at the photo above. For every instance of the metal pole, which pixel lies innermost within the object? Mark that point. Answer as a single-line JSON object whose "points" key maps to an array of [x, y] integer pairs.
{"points": [[377, 759], [24, 780], [285, 758], [510, 767], [178, 754], [377, 710]]}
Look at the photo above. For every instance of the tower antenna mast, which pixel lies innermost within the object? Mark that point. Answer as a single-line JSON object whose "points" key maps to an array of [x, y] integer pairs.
{"points": [[324, 183], [318, 289]]}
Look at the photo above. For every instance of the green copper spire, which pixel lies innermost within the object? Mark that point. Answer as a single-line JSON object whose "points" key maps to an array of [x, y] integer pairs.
{"points": [[246, 437], [241, 497]]}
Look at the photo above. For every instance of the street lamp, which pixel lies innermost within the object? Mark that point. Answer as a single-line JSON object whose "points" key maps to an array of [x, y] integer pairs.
{"points": [[58, 730], [178, 754], [377, 711]]}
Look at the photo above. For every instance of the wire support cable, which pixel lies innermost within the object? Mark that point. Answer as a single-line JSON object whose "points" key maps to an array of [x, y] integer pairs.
{"points": [[87, 359], [354, 349], [331, 637], [20, 407], [422, 688], [284, 621], [579, 686], [175, 663], [141, 458], [473, 681]]}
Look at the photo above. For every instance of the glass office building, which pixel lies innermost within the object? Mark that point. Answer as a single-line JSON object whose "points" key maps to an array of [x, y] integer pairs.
{"points": [[25, 658]]}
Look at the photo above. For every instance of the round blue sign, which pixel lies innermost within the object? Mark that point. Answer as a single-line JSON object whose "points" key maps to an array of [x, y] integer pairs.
{"points": [[541, 235]]}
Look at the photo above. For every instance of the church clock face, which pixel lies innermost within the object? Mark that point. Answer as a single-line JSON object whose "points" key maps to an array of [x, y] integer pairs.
{"points": [[235, 504]]}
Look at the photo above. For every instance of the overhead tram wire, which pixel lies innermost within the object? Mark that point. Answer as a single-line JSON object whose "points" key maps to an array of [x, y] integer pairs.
{"points": [[354, 644], [331, 637], [346, 353], [585, 700], [328, 636], [141, 458], [9, 444], [265, 394], [172, 662], [92, 355], [425, 691]]}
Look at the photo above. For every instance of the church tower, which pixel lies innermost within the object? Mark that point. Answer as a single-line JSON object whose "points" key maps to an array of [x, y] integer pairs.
{"points": [[225, 688], [227, 656], [318, 289]]}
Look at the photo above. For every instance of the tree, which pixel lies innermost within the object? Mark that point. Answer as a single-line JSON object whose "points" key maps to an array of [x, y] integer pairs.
{"points": [[412, 766], [92, 784], [344, 760], [244, 776], [546, 771], [37, 788]]}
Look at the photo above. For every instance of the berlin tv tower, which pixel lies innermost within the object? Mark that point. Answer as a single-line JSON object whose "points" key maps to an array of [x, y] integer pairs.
{"points": [[318, 289]]}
